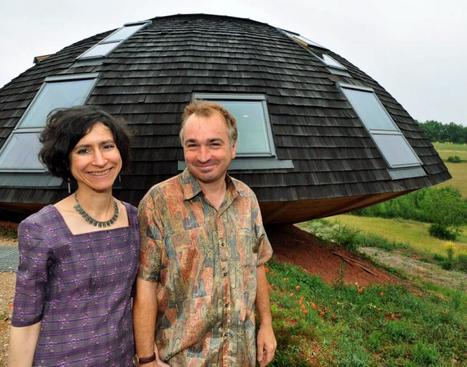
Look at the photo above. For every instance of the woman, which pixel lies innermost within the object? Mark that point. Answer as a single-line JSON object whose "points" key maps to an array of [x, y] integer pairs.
{"points": [[78, 257]]}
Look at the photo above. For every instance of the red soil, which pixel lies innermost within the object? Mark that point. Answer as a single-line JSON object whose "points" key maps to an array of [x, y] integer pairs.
{"points": [[330, 262]]}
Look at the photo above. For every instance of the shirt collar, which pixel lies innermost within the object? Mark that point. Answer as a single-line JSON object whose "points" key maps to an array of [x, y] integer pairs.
{"points": [[192, 188]]}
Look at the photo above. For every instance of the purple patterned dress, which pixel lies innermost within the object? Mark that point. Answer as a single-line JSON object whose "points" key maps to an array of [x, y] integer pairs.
{"points": [[80, 288]]}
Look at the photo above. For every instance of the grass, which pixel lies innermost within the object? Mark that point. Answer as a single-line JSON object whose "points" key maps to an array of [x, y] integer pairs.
{"points": [[448, 149], [320, 324], [457, 170], [414, 234]]}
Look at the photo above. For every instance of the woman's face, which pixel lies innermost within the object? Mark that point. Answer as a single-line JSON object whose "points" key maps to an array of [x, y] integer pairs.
{"points": [[95, 160]]}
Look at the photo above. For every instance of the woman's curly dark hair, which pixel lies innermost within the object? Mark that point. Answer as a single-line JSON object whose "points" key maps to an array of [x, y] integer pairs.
{"points": [[65, 127]]}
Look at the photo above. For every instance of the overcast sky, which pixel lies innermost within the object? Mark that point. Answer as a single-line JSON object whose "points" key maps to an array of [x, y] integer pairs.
{"points": [[416, 49]]}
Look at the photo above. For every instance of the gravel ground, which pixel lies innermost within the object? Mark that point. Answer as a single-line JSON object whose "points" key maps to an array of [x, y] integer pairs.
{"points": [[7, 288], [413, 268], [8, 263]]}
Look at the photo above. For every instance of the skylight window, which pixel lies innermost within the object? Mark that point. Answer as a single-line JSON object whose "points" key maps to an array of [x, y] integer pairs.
{"points": [[56, 92], [329, 61], [254, 130], [255, 144], [15, 155], [301, 39], [108, 44], [385, 133]]}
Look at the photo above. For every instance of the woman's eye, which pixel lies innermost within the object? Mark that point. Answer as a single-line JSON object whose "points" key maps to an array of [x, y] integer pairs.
{"points": [[82, 151], [109, 146]]}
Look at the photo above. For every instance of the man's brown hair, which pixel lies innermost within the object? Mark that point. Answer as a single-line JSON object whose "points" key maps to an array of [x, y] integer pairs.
{"points": [[206, 109]]}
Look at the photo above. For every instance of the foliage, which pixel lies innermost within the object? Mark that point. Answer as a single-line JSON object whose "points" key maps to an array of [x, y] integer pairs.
{"points": [[454, 159], [437, 131], [348, 325], [443, 207], [440, 231], [348, 237]]}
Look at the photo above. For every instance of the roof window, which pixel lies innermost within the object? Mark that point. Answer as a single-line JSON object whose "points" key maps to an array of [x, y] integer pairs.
{"points": [[387, 136], [56, 92], [109, 43]]}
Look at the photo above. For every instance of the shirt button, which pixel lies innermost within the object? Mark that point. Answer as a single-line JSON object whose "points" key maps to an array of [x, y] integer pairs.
{"points": [[226, 305]]}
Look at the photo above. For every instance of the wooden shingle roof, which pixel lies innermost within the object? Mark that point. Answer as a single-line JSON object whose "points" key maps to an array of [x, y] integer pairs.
{"points": [[150, 77]]}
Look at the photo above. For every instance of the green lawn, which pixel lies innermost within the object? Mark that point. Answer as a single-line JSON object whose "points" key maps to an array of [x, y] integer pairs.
{"points": [[448, 149], [317, 324], [413, 233], [457, 170]]}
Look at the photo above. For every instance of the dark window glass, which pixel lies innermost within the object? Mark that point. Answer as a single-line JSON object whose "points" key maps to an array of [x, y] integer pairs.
{"points": [[21, 152], [58, 94]]}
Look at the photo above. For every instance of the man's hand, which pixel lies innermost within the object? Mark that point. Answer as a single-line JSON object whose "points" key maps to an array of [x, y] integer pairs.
{"points": [[265, 345]]}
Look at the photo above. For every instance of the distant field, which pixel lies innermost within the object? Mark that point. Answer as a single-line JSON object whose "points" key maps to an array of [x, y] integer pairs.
{"points": [[458, 171], [413, 233], [448, 149]]}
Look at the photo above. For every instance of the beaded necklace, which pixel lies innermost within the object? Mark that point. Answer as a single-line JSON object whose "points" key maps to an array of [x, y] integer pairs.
{"points": [[91, 220]]}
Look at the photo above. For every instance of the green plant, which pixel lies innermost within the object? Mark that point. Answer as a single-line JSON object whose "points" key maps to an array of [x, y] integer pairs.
{"points": [[320, 324], [448, 264], [462, 262], [348, 237], [442, 206], [454, 159], [425, 354], [441, 231]]}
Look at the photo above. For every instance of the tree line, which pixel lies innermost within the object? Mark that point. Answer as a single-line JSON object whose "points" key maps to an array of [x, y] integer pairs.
{"points": [[444, 208], [444, 133]]}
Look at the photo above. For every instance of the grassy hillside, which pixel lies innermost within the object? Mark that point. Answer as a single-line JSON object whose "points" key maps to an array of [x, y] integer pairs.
{"points": [[322, 325], [413, 233], [458, 170]]}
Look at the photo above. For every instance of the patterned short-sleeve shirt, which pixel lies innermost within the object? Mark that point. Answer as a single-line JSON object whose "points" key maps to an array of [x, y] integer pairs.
{"points": [[204, 261]]}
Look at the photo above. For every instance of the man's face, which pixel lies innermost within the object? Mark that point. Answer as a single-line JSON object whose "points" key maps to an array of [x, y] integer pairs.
{"points": [[207, 147]]}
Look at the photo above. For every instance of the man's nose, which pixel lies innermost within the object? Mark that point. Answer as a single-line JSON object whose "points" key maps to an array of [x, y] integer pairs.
{"points": [[204, 154]]}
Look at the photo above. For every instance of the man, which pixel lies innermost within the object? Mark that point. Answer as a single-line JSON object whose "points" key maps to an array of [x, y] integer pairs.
{"points": [[203, 250]]}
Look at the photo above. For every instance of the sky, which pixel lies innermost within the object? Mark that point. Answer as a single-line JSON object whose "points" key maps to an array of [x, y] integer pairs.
{"points": [[417, 50]]}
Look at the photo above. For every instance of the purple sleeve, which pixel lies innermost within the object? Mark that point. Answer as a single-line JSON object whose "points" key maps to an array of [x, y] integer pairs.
{"points": [[31, 277]]}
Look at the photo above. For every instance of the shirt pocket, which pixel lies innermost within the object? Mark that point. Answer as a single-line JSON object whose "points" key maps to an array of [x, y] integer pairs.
{"points": [[185, 262], [248, 250]]}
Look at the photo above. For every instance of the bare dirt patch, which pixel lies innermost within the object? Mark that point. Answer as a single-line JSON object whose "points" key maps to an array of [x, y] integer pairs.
{"points": [[414, 268], [7, 288], [331, 263]]}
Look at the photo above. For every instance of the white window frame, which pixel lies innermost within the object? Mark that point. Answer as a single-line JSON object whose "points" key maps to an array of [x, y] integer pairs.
{"points": [[216, 97], [395, 131], [108, 40], [37, 130]]}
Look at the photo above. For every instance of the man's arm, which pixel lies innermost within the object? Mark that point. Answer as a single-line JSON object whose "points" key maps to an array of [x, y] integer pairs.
{"points": [[266, 341], [144, 320]]}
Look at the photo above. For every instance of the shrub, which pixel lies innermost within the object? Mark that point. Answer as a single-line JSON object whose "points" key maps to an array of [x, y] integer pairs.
{"points": [[462, 262], [442, 232], [348, 237], [422, 205], [425, 354], [443, 207], [454, 159]]}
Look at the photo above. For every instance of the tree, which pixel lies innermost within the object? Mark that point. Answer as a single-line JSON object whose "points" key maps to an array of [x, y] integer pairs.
{"points": [[447, 211]]}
